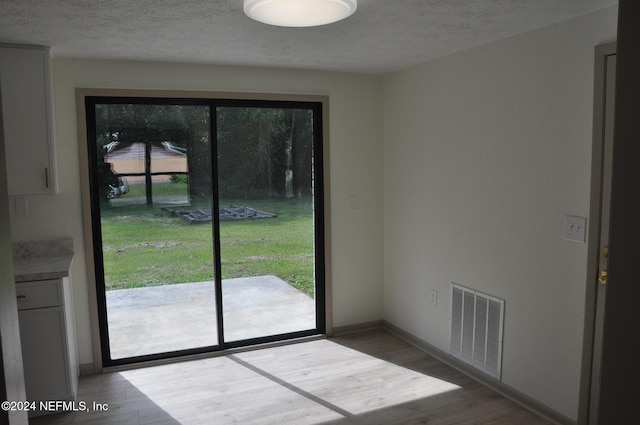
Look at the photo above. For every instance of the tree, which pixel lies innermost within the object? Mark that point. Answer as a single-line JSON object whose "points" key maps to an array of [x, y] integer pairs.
{"points": [[257, 147]]}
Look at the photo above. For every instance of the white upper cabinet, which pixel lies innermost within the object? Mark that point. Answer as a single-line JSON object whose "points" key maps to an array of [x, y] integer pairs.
{"points": [[27, 110]]}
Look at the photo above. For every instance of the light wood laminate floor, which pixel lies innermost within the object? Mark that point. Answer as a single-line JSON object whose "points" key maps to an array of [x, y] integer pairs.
{"points": [[371, 377]]}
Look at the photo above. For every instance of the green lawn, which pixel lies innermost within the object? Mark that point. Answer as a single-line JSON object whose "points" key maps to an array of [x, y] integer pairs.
{"points": [[146, 246], [159, 189]]}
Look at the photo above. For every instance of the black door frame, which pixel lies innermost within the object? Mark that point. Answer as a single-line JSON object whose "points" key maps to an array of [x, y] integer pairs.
{"points": [[319, 220]]}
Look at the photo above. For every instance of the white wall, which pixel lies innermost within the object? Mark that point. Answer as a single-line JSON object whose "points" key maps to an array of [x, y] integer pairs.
{"points": [[355, 160], [11, 366], [485, 152]]}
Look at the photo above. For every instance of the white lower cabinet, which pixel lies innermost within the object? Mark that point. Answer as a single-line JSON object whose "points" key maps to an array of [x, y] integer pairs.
{"points": [[48, 372]]}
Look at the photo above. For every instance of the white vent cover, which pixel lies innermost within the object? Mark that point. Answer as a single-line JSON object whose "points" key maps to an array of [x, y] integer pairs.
{"points": [[476, 329]]}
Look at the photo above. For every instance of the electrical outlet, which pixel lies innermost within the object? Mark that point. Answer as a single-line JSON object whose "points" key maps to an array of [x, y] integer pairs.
{"points": [[434, 297], [353, 203], [22, 207]]}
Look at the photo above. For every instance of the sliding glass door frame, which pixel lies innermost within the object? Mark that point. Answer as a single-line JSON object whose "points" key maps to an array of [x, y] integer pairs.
{"points": [[316, 107], [318, 202]]}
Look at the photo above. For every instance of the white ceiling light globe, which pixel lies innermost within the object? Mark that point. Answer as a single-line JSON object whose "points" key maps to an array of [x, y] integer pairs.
{"points": [[299, 13]]}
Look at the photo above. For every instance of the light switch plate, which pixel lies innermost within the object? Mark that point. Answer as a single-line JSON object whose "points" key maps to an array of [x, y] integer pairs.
{"points": [[575, 228]]}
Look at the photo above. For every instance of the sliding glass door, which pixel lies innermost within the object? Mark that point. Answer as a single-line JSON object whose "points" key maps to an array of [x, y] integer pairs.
{"points": [[266, 187], [207, 223]]}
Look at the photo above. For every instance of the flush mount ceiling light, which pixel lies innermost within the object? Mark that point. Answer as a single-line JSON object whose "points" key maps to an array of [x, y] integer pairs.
{"points": [[299, 13]]}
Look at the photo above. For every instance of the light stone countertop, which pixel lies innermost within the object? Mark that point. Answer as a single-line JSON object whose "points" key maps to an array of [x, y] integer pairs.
{"points": [[42, 260]]}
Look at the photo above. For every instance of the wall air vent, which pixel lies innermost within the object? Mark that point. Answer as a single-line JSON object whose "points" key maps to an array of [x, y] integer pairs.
{"points": [[476, 329]]}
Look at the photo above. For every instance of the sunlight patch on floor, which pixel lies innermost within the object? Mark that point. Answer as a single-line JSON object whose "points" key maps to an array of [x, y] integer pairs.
{"points": [[356, 383]]}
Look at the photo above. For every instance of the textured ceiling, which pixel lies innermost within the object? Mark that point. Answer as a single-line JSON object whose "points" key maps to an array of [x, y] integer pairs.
{"points": [[382, 36]]}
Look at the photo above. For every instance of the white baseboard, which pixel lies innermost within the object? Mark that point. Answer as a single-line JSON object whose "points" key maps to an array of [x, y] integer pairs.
{"points": [[498, 386], [358, 327]]}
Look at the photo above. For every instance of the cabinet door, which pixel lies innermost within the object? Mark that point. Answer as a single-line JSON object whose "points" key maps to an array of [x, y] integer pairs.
{"points": [[44, 350], [25, 86], [39, 294]]}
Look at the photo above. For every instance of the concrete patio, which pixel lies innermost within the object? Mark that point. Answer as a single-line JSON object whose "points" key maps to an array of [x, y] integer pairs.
{"points": [[176, 317]]}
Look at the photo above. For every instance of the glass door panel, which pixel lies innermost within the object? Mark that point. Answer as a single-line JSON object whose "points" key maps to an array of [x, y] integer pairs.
{"points": [[196, 254], [267, 221], [153, 170]]}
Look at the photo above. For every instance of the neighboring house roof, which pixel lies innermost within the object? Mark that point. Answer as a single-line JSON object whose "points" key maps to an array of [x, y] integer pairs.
{"points": [[129, 159], [135, 150]]}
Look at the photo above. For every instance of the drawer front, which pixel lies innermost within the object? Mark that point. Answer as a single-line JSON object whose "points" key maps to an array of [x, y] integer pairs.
{"points": [[43, 293]]}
